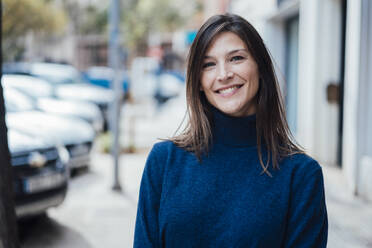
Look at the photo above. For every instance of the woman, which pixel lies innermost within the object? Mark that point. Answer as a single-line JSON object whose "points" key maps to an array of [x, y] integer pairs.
{"points": [[234, 177]]}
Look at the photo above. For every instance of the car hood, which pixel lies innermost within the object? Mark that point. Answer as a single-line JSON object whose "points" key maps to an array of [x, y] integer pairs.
{"points": [[81, 109], [22, 142], [66, 130], [86, 92]]}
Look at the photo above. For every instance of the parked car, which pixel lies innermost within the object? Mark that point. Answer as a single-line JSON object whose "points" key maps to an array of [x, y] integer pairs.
{"points": [[68, 83], [41, 93], [40, 173], [75, 134], [103, 76], [168, 86], [150, 80]]}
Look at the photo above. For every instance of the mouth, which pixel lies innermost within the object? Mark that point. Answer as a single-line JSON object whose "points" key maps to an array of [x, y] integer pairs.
{"points": [[230, 90]]}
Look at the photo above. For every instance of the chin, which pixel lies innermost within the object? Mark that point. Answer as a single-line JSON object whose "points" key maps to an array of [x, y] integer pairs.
{"points": [[231, 112]]}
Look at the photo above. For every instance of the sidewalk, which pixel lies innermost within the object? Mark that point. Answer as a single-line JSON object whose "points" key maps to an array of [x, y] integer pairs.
{"points": [[93, 215], [350, 218]]}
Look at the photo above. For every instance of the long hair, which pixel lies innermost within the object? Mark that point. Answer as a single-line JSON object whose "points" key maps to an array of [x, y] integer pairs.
{"points": [[271, 125]]}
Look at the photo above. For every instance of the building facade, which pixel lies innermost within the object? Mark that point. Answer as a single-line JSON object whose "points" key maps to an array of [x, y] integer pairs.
{"points": [[322, 51]]}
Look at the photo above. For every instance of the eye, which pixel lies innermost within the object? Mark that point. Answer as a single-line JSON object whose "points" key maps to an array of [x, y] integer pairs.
{"points": [[208, 64], [237, 58]]}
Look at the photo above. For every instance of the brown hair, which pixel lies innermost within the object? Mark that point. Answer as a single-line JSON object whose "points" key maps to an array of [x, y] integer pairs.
{"points": [[271, 124]]}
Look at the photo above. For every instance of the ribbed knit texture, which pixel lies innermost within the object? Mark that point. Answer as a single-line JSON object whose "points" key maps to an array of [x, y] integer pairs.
{"points": [[226, 201]]}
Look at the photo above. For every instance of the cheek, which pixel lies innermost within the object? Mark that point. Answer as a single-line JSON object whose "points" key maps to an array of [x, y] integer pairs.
{"points": [[254, 85], [205, 81], [252, 77], [250, 74]]}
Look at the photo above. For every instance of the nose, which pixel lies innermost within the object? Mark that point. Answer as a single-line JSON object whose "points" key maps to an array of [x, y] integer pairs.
{"points": [[224, 73]]}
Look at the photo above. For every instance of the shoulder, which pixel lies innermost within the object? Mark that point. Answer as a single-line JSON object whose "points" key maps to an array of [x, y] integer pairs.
{"points": [[157, 163], [164, 157], [302, 169], [163, 146], [301, 163], [158, 152], [305, 172], [167, 151], [164, 149]]}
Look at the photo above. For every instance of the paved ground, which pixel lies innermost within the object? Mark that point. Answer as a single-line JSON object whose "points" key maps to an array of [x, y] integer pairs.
{"points": [[350, 218], [95, 216], [92, 215]]}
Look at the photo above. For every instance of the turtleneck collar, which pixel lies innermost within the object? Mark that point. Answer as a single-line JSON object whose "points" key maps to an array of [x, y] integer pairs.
{"points": [[233, 131]]}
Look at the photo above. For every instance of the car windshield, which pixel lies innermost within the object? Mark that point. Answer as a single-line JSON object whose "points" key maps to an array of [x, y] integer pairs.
{"points": [[15, 101], [32, 86]]}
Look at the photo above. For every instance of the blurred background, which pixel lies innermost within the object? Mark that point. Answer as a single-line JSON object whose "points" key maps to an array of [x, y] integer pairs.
{"points": [[89, 86]]}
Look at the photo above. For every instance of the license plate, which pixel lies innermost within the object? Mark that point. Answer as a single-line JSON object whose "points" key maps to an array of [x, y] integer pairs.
{"points": [[79, 150], [45, 182]]}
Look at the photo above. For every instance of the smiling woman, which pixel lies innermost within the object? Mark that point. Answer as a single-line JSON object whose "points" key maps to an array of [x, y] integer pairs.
{"points": [[235, 177]]}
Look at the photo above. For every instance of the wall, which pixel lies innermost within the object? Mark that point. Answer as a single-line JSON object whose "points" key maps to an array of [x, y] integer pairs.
{"points": [[319, 65], [319, 58], [357, 154]]}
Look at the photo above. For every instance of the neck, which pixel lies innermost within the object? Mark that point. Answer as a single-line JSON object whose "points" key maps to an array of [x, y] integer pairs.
{"points": [[233, 131]]}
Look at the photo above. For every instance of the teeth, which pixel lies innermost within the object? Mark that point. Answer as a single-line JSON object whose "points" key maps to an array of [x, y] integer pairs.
{"points": [[228, 90]]}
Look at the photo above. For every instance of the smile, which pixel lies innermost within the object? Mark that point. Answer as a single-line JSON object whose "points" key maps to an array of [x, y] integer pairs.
{"points": [[228, 91]]}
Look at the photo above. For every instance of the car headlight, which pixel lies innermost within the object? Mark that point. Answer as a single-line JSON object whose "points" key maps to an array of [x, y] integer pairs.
{"points": [[63, 154]]}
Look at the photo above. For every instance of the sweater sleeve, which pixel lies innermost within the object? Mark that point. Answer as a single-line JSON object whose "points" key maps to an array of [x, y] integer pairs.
{"points": [[147, 228], [307, 224]]}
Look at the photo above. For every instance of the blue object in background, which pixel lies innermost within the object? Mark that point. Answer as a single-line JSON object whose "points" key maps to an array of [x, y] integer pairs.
{"points": [[103, 76], [190, 36], [176, 74]]}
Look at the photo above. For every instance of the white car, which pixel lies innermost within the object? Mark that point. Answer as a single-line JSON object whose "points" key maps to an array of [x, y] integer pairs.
{"points": [[67, 83], [41, 93], [75, 134]]}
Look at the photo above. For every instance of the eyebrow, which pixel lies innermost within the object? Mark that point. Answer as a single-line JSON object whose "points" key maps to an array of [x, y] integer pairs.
{"points": [[231, 52]]}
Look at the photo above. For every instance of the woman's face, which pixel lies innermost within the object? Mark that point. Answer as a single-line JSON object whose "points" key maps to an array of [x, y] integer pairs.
{"points": [[229, 76]]}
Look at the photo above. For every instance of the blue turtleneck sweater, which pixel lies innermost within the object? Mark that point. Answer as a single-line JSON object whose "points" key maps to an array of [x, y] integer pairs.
{"points": [[226, 201]]}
